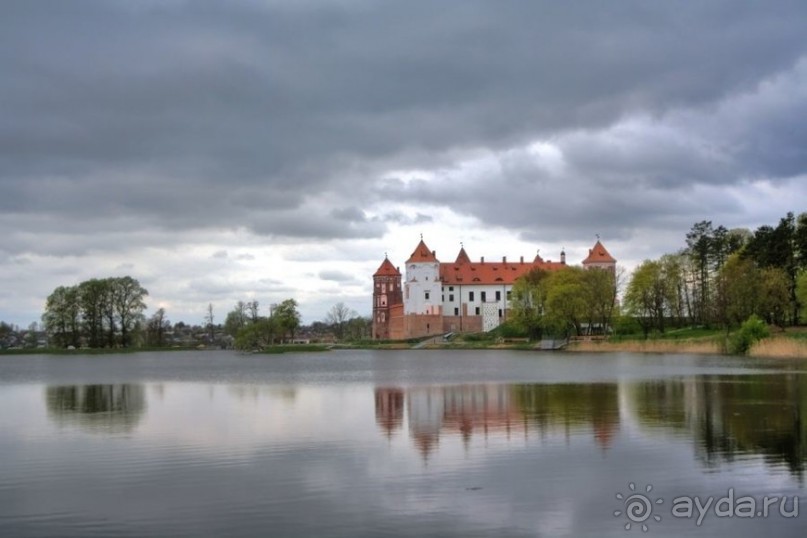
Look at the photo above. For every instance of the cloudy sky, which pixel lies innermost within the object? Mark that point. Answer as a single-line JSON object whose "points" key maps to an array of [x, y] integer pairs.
{"points": [[267, 149]]}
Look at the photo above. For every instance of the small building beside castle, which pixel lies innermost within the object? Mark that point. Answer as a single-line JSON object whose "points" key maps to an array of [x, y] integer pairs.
{"points": [[460, 296]]}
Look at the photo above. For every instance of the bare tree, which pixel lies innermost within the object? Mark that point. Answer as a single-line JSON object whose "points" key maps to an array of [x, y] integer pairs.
{"points": [[209, 322], [337, 317]]}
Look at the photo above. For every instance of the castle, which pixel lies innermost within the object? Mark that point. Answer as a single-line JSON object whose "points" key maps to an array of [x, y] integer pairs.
{"points": [[458, 296]]}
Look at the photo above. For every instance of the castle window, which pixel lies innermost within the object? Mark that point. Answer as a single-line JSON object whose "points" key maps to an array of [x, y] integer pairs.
{"points": [[470, 296], [500, 312], [451, 288], [456, 311], [427, 295], [476, 310], [499, 296], [483, 295], [451, 297]]}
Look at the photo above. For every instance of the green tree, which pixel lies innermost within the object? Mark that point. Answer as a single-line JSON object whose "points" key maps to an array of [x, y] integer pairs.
{"points": [[738, 285], [751, 331], [62, 317], [599, 291], [775, 297], [287, 318], [778, 247], [93, 296], [528, 302], [565, 302], [801, 293], [236, 319], [127, 298], [646, 296], [257, 335]]}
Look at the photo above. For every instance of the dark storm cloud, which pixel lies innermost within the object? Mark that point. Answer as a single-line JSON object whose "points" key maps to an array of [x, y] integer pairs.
{"points": [[645, 171], [241, 113]]}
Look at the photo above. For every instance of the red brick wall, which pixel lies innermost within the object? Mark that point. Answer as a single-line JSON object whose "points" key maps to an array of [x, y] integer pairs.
{"points": [[462, 324], [417, 325]]}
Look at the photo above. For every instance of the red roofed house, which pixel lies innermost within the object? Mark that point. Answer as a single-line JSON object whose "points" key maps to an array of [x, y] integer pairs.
{"points": [[459, 296]]}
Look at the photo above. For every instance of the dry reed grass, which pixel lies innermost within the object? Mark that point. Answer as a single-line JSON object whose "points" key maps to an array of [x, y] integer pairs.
{"points": [[779, 347], [649, 346]]}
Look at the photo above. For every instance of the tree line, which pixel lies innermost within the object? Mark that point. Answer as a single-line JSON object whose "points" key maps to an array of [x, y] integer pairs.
{"points": [[95, 313], [249, 330], [569, 302], [723, 277]]}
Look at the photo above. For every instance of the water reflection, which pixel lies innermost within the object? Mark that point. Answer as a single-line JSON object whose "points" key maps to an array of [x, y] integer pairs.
{"points": [[496, 410], [97, 408], [725, 417], [730, 416]]}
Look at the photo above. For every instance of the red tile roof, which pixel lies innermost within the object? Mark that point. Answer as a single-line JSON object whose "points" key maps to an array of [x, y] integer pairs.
{"points": [[387, 269], [422, 254], [598, 254], [491, 273]]}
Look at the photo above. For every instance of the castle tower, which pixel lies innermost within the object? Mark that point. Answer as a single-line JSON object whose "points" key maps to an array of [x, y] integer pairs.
{"points": [[387, 293], [599, 257], [423, 288]]}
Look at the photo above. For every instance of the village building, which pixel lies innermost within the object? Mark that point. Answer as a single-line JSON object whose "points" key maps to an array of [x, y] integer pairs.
{"points": [[461, 296]]}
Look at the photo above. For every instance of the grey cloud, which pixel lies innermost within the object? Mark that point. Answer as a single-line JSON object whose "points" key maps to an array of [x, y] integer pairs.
{"points": [[242, 107], [336, 276], [644, 171]]}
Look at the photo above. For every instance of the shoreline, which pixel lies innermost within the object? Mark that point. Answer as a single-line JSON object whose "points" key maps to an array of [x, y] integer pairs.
{"points": [[778, 346]]}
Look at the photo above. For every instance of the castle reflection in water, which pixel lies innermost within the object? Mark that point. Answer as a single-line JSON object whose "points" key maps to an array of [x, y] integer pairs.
{"points": [[498, 410], [724, 417]]}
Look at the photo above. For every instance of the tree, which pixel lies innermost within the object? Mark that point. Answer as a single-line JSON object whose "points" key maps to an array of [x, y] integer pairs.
{"points": [[738, 291], [775, 296], [93, 296], [257, 335], [287, 317], [778, 247], [646, 296], [337, 317], [236, 319], [599, 291], [358, 328], [62, 316], [252, 307], [127, 298], [700, 248], [211, 329], [801, 293], [156, 328], [528, 302], [565, 302]]}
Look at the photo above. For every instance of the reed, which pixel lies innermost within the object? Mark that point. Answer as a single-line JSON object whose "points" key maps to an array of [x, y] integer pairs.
{"points": [[779, 347], [649, 346]]}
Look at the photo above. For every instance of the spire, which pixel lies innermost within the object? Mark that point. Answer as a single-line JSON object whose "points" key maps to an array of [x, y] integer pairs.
{"points": [[598, 254], [422, 253], [462, 257], [387, 269], [538, 258]]}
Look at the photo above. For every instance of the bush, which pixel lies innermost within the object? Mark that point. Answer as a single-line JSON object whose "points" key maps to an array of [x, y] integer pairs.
{"points": [[751, 331]]}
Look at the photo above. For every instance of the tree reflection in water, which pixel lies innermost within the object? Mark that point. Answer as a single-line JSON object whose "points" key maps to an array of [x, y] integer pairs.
{"points": [[97, 408]]}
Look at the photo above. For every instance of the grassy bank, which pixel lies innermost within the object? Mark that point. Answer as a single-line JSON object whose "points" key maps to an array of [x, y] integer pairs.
{"points": [[791, 343], [93, 351], [292, 348]]}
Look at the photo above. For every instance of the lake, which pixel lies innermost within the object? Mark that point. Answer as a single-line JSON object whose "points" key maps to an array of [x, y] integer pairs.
{"points": [[401, 443]]}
